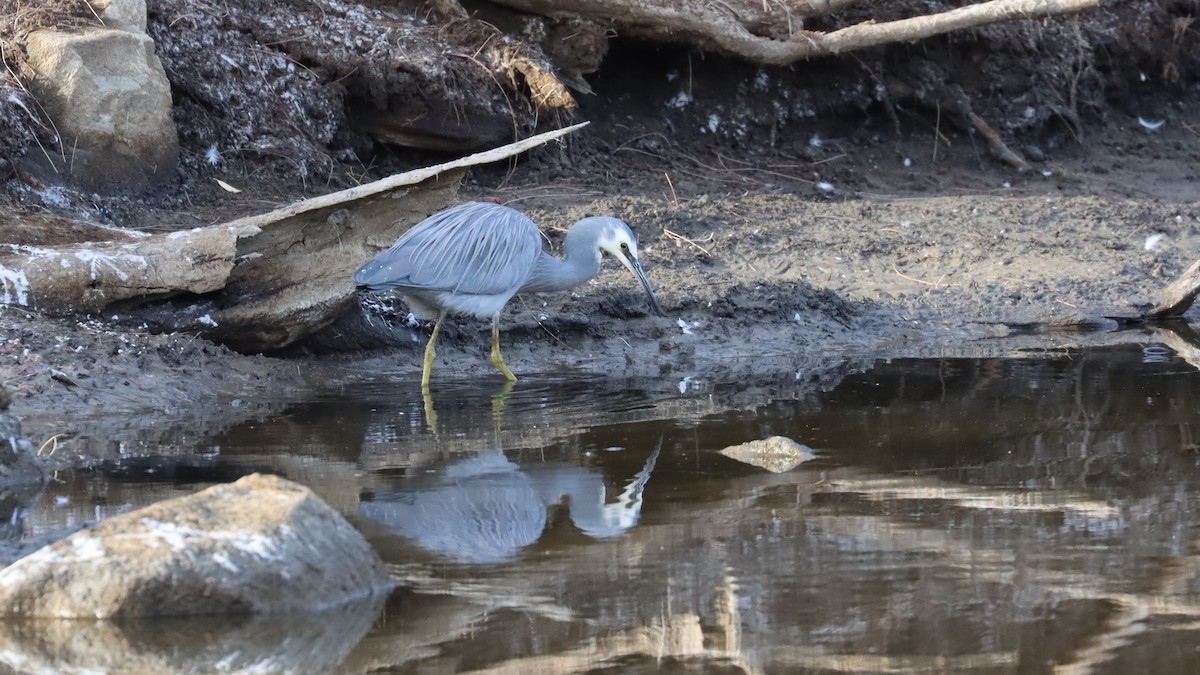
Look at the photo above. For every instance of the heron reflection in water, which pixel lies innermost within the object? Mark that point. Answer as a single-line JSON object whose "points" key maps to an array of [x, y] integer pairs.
{"points": [[485, 509]]}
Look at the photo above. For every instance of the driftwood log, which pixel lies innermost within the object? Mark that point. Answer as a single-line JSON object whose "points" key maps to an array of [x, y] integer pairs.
{"points": [[258, 283]]}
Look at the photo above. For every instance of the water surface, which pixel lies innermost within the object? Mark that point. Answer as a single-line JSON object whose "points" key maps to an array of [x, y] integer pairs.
{"points": [[962, 515]]}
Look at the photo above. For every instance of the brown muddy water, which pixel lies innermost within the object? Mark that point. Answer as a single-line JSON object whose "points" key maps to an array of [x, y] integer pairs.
{"points": [[1023, 515]]}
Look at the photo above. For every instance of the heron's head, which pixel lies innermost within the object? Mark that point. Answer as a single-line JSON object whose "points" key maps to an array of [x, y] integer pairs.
{"points": [[616, 238]]}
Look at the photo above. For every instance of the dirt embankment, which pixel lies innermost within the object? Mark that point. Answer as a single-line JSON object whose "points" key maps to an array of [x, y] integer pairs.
{"points": [[786, 215]]}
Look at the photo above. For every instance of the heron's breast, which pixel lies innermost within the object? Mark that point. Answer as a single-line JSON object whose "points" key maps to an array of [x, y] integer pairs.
{"points": [[482, 305]]}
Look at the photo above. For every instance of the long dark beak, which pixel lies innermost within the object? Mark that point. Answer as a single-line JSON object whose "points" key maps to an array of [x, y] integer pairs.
{"points": [[641, 275]]}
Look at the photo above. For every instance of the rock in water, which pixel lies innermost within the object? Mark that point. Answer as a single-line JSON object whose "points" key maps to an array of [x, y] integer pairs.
{"points": [[776, 454], [262, 545]]}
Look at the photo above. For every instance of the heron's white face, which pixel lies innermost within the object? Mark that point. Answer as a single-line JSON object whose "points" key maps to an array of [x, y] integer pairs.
{"points": [[619, 241], [615, 237]]}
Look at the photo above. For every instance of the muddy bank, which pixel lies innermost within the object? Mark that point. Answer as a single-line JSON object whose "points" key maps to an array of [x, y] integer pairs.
{"points": [[752, 283], [758, 282]]}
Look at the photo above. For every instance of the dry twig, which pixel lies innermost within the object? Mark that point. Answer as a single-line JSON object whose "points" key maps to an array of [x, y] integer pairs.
{"points": [[676, 237], [674, 195], [933, 284], [997, 144]]}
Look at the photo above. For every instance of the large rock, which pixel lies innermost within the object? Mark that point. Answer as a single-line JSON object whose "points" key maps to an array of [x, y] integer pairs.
{"points": [[261, 545], [110, 102]]}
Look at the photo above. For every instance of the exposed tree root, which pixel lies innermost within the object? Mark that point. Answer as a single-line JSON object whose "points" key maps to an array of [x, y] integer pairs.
{"points": [[772, 33]]}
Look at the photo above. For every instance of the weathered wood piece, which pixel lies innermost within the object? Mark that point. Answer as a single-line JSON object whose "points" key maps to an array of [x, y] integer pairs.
{"points": [[1179, 296]]}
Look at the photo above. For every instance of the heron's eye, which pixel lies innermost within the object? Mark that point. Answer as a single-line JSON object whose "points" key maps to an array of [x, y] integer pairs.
{"points": [[624, 246]]}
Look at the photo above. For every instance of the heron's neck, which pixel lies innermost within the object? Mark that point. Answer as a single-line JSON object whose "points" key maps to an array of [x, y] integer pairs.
{"points": [[551, 274]]}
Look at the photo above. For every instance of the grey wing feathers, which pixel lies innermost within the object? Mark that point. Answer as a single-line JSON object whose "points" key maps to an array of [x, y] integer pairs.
{"points": [[472, 248]]}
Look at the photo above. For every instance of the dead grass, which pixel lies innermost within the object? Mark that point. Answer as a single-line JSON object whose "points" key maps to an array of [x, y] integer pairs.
{"points": [[19, 18]]}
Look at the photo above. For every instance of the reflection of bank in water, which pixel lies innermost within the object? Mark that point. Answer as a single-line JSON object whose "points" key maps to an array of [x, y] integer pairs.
{"points": [[485, 509]]}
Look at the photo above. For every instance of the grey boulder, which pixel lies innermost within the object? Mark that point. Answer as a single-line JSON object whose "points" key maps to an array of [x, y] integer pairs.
{"points": [[261, 545]]}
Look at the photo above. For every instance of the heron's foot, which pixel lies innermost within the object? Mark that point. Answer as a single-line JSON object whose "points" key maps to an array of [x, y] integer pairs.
{"points": [[498, 361]]}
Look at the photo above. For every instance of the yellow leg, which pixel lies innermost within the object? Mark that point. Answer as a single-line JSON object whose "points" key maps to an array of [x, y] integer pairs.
{"points": [[431, 352], [431, 420], [498, 360]]}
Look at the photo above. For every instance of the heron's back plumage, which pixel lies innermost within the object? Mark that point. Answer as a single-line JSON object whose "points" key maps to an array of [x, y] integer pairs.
{"points": [[469, 259]]}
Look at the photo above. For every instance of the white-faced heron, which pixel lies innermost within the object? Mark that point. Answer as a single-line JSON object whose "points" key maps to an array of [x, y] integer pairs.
{"points": [[474, 257]]}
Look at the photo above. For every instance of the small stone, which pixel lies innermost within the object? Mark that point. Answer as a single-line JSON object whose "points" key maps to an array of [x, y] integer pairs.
{"points": [[776, 454]]}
